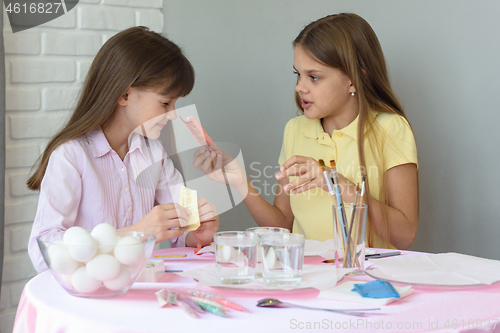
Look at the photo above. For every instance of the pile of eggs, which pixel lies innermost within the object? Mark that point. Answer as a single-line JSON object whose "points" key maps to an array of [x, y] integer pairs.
{"points": [[86, 261]]}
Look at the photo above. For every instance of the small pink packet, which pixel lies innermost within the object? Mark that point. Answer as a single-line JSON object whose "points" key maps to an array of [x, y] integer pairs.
{"points": [[200, 134]]}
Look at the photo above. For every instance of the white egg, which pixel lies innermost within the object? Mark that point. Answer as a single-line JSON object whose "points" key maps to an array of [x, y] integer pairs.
{"points": [[82, 247], [66, 281], [72, 232], [83, 282], [61, 261], [103, 267], [270, 259], [54, 246], [224, 252], [121, 281], [105, 235], [129, 251]]}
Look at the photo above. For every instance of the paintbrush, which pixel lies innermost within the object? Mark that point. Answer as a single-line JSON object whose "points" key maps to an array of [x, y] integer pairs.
{"points": [[352, 248], [343, 219], [328, 180], [331, 189]]}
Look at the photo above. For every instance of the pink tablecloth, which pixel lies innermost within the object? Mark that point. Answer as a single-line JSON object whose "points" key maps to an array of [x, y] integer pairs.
{"points": [[46, 308]]}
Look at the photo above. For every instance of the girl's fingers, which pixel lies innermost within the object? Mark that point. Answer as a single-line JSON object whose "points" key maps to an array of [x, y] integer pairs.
{"points": [[199, 161], [198, 152], [207, 225], [207, 165], [176, 212], [206, 213], [299, 182], [175, 206], [174, 223], [296, 170], [202, 201], [296, 159], [304, 188], [168, 234], [218, 162], [296, 166], [206, 210]]}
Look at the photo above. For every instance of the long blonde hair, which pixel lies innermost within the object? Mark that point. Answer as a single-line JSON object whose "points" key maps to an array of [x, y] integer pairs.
{"points": [[135, 57], [347, 42]]}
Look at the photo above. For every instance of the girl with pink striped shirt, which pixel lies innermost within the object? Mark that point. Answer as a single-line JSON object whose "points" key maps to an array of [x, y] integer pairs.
{"points": [[107, 165]]}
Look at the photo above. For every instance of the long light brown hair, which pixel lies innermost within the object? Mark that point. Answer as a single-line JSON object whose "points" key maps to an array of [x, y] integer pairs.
{"points": [[135, 57], [347, 42]]}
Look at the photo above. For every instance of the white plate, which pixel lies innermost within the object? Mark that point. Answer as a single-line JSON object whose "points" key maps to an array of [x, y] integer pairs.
{"points": [[314, 276], [376, 273]]}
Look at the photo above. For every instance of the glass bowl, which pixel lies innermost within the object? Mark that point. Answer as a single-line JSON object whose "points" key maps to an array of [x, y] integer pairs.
{"points": [[110, 272]]}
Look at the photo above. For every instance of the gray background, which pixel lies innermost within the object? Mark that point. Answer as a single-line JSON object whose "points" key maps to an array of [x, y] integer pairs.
{"points": [[443, 63]]}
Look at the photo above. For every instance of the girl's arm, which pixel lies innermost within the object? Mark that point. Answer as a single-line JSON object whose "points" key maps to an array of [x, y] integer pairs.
{"points": [[402, 204], [59, 200], [279, 214]]}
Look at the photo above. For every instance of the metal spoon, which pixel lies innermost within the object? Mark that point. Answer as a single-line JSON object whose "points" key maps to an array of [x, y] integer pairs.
{"points": [[272, 302]]}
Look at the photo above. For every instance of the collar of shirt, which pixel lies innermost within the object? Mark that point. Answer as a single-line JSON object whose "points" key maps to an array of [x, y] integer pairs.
{"points": [[314, 130], [100, 145]]}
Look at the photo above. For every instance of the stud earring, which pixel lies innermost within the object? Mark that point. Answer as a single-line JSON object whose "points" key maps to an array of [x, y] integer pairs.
{"points": [[352, 94]]}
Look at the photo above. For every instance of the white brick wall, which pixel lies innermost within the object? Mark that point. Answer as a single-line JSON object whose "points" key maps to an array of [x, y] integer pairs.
{"points": [[45, 67]]}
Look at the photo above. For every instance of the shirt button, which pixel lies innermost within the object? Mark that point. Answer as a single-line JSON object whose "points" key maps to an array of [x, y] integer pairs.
{"points": [[123, 169], [129, 209], [340, 135], [127, 189]]}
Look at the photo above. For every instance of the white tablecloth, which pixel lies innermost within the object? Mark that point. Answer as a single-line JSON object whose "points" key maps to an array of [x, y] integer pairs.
{"points": [[46, 308]]}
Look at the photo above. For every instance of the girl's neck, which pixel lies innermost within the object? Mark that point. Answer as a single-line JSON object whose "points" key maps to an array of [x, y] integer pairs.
{"points": [[338, 122], [117, 137]]}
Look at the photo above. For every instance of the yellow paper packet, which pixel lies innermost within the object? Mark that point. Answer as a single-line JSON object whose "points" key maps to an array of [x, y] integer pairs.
{"points": [[189, 199]]}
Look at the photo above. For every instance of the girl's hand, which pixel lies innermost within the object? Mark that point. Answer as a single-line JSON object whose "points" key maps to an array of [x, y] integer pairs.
{"points": [[209, 221], [311, 176], [307, 170], [222, 168], [161, 219]]}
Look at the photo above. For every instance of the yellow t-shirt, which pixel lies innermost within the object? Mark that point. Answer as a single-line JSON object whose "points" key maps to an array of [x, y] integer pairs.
{"points": [[312, 209]]}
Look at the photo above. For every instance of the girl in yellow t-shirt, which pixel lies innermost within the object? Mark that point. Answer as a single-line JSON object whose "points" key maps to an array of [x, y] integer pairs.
{"points": [[349, 111]]}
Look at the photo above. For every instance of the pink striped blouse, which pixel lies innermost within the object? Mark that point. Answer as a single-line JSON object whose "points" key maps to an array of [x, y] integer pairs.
{"points": [[86, 183]]}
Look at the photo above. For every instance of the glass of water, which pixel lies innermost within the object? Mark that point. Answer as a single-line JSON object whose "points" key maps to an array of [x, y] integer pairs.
{"points": [[282, 258], [235, 256], [264, 231]]}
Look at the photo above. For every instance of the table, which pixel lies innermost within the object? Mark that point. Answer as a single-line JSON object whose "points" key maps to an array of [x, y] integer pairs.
{"points": [[46, 308]]}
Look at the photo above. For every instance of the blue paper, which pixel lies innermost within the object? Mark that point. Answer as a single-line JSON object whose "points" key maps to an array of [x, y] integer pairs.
{"points": [[376, 289]]}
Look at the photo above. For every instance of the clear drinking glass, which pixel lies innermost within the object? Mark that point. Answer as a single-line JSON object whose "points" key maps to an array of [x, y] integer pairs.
{"points": [[235, 256], [282, 258], [264, 231], [349, 224]]}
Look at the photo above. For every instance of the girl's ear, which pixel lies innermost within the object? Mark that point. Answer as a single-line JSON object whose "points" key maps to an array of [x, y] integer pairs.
{"points": [[123, 101], [352, 89]]}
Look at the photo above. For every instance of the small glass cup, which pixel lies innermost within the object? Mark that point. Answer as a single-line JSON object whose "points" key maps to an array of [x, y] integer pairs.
{"points": [[349, 224], [282, 258], [264, 231], [235, 256]]}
